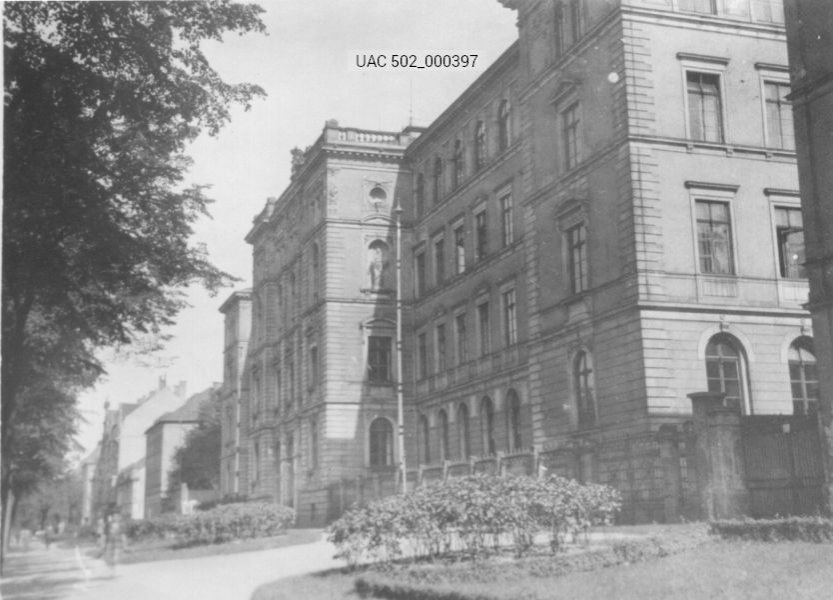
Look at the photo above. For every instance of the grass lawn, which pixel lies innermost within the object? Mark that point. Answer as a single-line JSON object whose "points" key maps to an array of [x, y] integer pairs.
{"points": [[163, 550], [731, 570]]}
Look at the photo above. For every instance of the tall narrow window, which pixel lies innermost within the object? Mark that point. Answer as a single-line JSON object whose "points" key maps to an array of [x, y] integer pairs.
{"points": [[705, 114], [504, 125], [577, 253], [480, 147], [560, 33], [441, 348], [419, 194], [714, 237], [487, 426], [583, 383], [439, 260], [481, 235], [789, 228], [313, 443], [724, 369], [572, 143], [314, 276], [379, 359], [442, 417], [513, 418], [510, 319], [422, 355], [419, 273], [424, 439], [460, 335], [437, 182], [804, 378], [506, 221], [459, 249], [575, 20], [459, 165], [779, 116], [381, 443], [313, 367], [484, 332], [463, 431]]}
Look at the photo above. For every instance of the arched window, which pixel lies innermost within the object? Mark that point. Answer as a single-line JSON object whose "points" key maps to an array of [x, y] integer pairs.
{"points": [[504, 123], [424, 439], [463, 431], [381, 443], [458, 164], [314, 274], [479, 145], [584, 386], [804, 379], [725, 370], [443, 419], [487, 425], [513, 420], [437, 182]]}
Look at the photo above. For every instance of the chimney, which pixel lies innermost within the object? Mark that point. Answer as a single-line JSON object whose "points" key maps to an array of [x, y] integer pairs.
{"points": [[180, 388]]}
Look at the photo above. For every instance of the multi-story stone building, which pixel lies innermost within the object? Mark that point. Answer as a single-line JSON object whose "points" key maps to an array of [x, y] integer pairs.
{"points": [[604, 222]]}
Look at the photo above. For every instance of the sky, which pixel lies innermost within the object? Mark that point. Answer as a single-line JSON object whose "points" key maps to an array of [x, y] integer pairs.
{"points": [[307, 64]]}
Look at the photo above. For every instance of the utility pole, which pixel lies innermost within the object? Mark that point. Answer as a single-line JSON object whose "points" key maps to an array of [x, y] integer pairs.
{"points": [[400, 408]]}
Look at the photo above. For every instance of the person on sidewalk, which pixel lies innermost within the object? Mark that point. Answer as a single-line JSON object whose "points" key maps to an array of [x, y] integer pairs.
{"points": [[114, 541]]}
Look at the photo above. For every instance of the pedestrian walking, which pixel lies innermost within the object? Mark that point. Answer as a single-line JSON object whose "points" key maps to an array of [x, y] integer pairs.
{"points": [[114, 541]]}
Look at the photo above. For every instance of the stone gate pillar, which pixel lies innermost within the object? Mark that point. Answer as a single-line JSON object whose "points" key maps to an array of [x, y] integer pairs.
{"points": [[719, 452]]}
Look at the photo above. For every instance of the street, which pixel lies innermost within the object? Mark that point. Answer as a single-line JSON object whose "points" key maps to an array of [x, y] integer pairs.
{"points": [[61, 573]]}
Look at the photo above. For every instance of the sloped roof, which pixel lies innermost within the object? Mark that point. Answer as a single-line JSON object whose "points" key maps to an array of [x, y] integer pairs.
{"points": [[188, 412]]}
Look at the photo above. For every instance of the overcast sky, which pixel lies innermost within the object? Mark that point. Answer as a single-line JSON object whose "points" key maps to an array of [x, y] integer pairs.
{"points": [[307, 66]]}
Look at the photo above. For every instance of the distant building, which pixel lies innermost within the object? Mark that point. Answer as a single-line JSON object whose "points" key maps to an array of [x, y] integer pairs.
{"points": [[605, 221], [87, 470], [167, 434], [810, 42]]}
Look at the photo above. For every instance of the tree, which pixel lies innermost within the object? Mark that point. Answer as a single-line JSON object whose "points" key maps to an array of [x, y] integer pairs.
{"points": [[197, 462], [101, 100]]}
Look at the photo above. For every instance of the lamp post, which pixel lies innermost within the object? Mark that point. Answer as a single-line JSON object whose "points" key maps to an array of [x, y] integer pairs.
{"points": [[400, 409]]}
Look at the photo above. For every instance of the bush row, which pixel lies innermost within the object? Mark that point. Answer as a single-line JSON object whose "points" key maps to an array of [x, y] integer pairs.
{"points": [[471, 580], [222, 523], [804, 529], [472, 515]]}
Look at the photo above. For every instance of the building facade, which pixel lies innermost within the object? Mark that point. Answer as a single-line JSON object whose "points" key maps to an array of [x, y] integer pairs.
{"points": [[810, 41], [604, 222]]}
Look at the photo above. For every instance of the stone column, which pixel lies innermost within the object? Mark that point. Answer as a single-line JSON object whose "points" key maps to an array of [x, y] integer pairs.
{"points": [[719, 451]]}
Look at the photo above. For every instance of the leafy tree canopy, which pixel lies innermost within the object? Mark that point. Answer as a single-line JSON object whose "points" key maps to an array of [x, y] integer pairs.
{"points": [[197, 462], [101, 100]]}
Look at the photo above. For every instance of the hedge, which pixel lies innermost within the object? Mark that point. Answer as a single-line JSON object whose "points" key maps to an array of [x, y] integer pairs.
{"points": [[803, 529], [474, 516], [220, 524]]}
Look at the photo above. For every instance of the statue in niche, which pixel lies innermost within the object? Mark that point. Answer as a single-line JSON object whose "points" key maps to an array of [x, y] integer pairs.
{"points": [[378, 262]]}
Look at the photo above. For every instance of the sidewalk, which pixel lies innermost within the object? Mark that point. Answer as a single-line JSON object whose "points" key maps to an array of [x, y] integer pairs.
{"points": [[69, 575]]}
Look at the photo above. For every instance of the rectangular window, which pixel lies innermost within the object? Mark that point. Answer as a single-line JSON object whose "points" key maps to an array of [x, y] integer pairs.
{"points": [[577, 254], [789, 229], [441, 347], [705, 113], [483, 326], [379, 359], [510, 320], [714, 237], [419, 274], [439, 260], [506, 219], [768, 11], [460, 338], [698, 6], [420, 194], [422, 356], [572, 145], [481, 235], [313, 367], [559, 30], [575, 20], [459, 249], [779, 116]]}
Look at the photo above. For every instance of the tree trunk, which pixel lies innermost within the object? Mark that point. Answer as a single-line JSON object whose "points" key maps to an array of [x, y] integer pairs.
{"points": [[5, 531]]}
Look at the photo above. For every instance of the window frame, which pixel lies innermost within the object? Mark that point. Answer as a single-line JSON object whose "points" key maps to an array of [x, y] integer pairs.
{"points": [[809, 405], [584, 387], [458, 172], [460, 342], [440, 348], [783, 266], [732, 262], [769, 76], [507, 220], [504, 120], [459, 233], [481, 149], [388, 458], [420, 283], [377, 356], [742, 362], [438, 246], [422, 355], [571, 139], [481, 234], [510, 316], [705, 65], [484, 325]]}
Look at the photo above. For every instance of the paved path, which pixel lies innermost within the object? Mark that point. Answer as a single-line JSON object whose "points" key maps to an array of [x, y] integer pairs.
{"points": [[68, 575]]}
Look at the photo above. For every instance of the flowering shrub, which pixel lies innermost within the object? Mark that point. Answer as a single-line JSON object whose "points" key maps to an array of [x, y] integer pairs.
{"points": [[473, 515], [223, 523]]}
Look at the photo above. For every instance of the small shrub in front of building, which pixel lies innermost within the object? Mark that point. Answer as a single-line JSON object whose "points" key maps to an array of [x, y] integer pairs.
{"points": [[472, 516], [790, 529], [223, 523]]}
